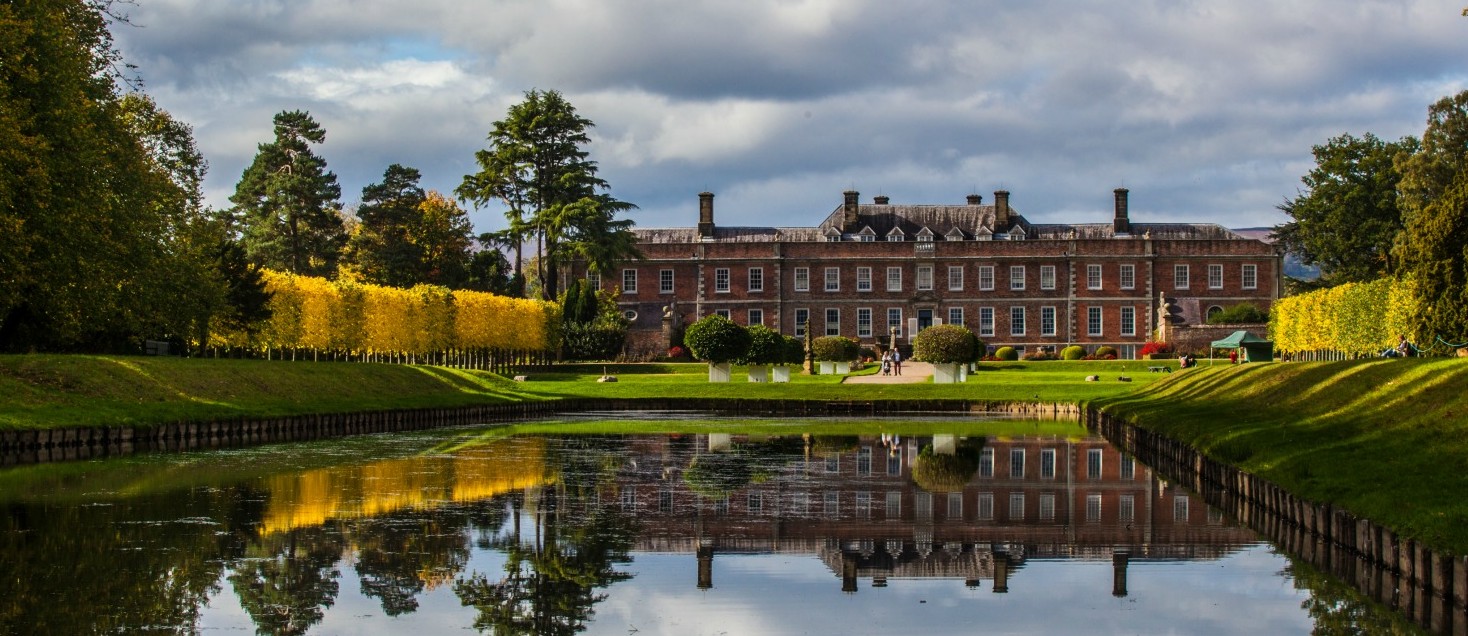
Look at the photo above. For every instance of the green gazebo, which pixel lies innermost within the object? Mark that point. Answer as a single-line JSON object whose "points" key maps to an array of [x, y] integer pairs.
{"points": [[1251, 348]]}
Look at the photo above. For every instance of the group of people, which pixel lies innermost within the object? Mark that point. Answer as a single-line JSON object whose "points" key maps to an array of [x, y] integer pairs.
{"points": [[891, 362], [1186, 360]]}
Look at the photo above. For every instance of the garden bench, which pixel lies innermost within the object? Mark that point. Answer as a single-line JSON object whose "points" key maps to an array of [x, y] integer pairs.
{"points": [[1161, 369]]}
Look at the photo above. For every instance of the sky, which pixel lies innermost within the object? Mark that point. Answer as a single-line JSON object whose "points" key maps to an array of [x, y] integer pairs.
{"points": [[1205, 110]]}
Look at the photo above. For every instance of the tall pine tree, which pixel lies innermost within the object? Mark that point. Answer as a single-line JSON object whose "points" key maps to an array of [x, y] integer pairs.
{"points": [[287, 204]]}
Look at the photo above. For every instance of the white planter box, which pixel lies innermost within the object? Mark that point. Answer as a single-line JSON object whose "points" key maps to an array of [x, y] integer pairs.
{"points": [[843, 368], [759, 373], [719, 372], [781, 373], [963, 373], [828, 368], [945, 372]]}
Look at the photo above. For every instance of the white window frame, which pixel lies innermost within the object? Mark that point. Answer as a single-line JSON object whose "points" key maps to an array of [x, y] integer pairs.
{"points": [[802, 279], [1249, 276], [801, 325], [1016, 463], [1095, 322], [984, 506], [629, 281], [1126, 508], [955, 278], [863, 279], [986, 322], [725, 313], [1095, 463], [986, 463], [1047, 321], [833, 327], [1128, 321], [1128, 276], [955, 316], [1047, 463], [1093, 276], [756, 317], [1215, 276], [833, 279], [667, 282], [863, 322], [1181, 277], [756, 279], [1016, 506], [897, 313], [1047, 506], [594, 279], [721, 280], [894, 279], [925, 278], [986, 278], [1017, 320], [1093, 508], [1016, 278], [1047, 277]]}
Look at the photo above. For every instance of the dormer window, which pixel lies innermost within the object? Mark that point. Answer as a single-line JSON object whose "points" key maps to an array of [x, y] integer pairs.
{"points": [[1017, 233], [954, 234], [896, 235], [866, 235], [833, 235], [925, 235]]}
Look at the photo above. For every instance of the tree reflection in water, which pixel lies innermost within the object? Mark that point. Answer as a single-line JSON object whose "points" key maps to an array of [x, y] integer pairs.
{"points": [[549, 583]]}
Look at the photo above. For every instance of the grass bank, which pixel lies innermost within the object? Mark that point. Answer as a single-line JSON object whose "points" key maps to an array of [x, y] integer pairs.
{"points": [[1386, 439], [49, 391]]}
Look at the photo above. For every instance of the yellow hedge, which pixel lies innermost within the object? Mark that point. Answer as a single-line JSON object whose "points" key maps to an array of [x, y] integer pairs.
{"points": [[318, 314], [1353, 318]]}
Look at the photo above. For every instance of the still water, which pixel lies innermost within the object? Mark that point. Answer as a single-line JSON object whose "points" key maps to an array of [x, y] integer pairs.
{"points": [[931, 526]]}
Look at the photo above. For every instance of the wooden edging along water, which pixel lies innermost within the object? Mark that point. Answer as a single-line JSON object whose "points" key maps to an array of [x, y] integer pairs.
{"points": [[1428, 587], [77, 443]]}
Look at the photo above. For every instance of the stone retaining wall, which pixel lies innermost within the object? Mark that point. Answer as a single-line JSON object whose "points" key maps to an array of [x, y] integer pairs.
{"points": [[64, 444], [1430, 588]]}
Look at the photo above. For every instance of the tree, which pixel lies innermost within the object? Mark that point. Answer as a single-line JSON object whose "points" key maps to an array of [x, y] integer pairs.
{"points": [[287, 202], [536, 167], [1433, 248], [1347, 218], [443, 236], [94, 186], [381, 249], [716, 339], [946, 344]]}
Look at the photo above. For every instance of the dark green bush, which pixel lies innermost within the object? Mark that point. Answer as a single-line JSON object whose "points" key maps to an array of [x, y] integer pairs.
{"points": [[766, 346], [794, 350], [944, 344], [1240, 313], [592, 341], [716, 339], [944, 473], [1006, 354], [1073, 352], [1104, 352]]}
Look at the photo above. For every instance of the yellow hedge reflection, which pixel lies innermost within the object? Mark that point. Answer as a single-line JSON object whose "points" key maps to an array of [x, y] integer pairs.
{"points": [[313, 497]]}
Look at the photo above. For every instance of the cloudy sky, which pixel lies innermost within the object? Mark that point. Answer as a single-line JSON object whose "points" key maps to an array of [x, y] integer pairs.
{"points": [[1206, 110]]}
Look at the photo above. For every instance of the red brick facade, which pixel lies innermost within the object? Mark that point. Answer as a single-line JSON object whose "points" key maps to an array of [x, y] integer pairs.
{"points": [[871, 267]]}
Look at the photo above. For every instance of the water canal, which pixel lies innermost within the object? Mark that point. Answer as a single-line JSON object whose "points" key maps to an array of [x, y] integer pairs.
{"points": [[927, 525]]}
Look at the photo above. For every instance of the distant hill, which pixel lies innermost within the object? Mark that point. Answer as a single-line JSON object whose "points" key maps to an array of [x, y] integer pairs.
{"points": [[1292, 265]]}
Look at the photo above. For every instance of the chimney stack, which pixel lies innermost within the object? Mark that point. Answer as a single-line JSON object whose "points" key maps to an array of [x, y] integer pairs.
{"points": [[706, 215], [880, 199], [1121, 224], [975, 199], [848, 211], [1001, 210]]}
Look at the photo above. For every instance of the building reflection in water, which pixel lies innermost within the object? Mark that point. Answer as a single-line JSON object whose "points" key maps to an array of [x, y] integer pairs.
{"points": [[875, 509]]}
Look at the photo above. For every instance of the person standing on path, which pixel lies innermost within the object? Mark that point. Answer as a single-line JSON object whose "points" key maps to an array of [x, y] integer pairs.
{"points": [[897, 362]]}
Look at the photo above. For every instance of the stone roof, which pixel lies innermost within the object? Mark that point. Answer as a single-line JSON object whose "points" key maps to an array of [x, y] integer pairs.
{"points": [[911, 219]]}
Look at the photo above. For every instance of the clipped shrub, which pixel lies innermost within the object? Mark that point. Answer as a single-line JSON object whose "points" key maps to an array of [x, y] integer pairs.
{"points": [[835, 349], [1105, 352], [716, 339], [766, 346], [592, 341], [1073, 352], [1154, 347], [833, 445], [794, 351], [944, 344], [715, 475], [1006, 354], [1037, 355]]}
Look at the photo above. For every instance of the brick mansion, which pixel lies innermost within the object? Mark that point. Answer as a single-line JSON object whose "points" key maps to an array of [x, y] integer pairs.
{"points": [[874, 270]]}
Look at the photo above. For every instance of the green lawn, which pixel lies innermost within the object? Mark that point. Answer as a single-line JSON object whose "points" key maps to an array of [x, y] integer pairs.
{"points": [[1384, 438], [46, 391]]}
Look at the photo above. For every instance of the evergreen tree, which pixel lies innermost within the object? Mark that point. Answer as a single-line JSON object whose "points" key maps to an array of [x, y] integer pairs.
{"points": [[1433, 248], [536, 167], [382, 249], [287, 202]]}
